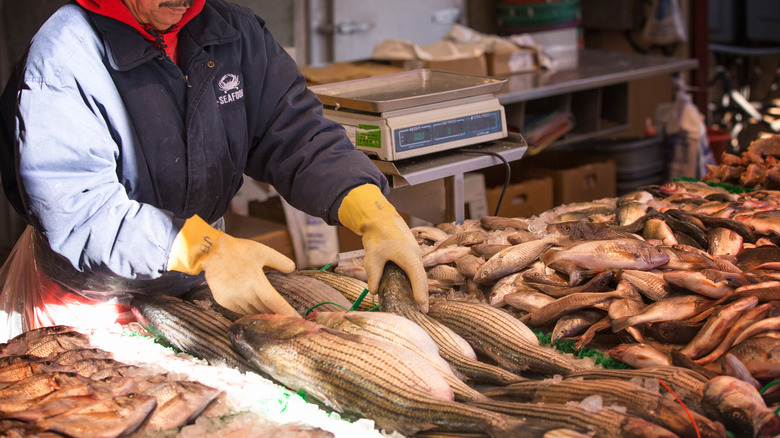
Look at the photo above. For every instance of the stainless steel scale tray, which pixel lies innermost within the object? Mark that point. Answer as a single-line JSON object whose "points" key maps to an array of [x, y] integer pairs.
{"points": [[404, 90]]}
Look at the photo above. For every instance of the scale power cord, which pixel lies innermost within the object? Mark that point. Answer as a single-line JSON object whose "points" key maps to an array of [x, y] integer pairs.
{"points": [[507, 176]]}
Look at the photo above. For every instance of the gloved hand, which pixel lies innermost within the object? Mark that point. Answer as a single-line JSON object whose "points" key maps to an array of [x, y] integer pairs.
{"points": [[386, 237], [234, 268]]}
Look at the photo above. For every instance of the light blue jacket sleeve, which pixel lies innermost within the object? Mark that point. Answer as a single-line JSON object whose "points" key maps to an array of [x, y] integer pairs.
{"points": [[69, 125]]}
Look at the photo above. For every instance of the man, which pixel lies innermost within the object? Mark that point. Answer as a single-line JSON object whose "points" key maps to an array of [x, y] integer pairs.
{"points": [[127, 128]]}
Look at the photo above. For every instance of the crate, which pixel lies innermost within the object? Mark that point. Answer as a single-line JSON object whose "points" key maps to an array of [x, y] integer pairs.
{"points": [[522, 199], [576, 177]]}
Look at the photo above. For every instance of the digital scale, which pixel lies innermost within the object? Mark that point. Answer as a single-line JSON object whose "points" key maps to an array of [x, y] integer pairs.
{"points": [[404, 115]]}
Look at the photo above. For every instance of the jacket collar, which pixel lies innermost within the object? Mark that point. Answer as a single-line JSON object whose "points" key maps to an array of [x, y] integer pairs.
{"points": [[126, 48]]}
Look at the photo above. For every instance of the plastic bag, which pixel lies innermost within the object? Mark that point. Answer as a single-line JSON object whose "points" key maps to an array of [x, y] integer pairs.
{"points": [[38, 288], [665, 24], [315, 243], [686, 145]]}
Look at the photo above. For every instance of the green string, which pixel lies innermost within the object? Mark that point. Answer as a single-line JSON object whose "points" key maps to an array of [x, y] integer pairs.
{"points": [[359, 299], [769, 385], [320, 304], [326, 267]]}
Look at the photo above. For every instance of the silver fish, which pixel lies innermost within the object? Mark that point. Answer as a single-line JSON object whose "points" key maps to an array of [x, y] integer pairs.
{"points": [[574, 323], [639, 355], [668, 309], [511, 260], [305, 293], [610, 254], [716, 327], [699, 283]]}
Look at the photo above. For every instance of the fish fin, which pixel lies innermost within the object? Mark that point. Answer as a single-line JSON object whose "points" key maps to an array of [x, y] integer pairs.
{"points": [[622, 323], [389, 425]]}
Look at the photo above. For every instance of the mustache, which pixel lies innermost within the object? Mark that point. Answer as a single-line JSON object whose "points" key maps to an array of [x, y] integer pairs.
{"points": [[177, 4]]}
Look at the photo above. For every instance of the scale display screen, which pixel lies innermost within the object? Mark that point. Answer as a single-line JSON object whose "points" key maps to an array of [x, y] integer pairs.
{"points": [[444, 131]]}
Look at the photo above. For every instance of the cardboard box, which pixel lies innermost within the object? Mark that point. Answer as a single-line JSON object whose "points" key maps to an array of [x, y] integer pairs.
{"points": [[507, 62], [576, 178], [269, 233], [476, 65], [474, 195], [522, 199]]}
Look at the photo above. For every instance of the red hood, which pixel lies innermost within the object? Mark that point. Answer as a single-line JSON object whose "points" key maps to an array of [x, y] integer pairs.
{"points": [[166, 40]]}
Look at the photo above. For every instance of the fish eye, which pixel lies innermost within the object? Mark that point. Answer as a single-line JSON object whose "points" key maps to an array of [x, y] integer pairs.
{"points": [[566, 228], [736, 415]]}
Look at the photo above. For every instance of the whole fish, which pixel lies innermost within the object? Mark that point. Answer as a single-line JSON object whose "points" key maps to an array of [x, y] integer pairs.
{"points": [[24, 369], [716, 327], [604, 422], [574, 323], [72, 356], [639, 355], [745, 320], [469, 264], [192, 329], [358, 375], [599, 283], [528, 300], [628, 212], [658, 229], [610, 254], [441, 256], [488, 250], [668, 309], [649, 283], [637, 400], [578, 231], [105, 418], [503, 287], [570, 303], [464, 238], [447, 274], [305, 293], [688, 385], [501, 337], [395, 292], [761, 223], [739, 407], [769, 324], [758, 354], [699, 283], [21, 394], [402, 332], [511, 260], [178, 403], [431, 234], [350, 287], [699, 189], [502, 223], [46, 343]]}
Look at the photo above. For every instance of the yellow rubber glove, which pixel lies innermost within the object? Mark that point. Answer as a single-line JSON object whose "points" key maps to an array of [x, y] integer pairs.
{"points": [[234, 268], [386, 237]]}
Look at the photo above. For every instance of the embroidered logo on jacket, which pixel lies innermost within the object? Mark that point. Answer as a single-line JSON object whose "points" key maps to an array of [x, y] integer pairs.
{"points": [[230, 85]]}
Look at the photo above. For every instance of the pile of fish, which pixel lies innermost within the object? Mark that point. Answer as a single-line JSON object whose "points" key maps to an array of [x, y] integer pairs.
{"points": [[758, 167], [54, 383]]}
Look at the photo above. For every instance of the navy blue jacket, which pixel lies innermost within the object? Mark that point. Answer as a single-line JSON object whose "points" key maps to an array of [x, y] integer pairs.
{"points": [[107, 146]]}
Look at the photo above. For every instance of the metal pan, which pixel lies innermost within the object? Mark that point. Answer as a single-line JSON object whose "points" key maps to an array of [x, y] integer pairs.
{"points": [[404, 90]]}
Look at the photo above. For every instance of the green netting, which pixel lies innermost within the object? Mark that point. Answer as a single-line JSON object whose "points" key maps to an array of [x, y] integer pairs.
{"points": [[567, 346]]}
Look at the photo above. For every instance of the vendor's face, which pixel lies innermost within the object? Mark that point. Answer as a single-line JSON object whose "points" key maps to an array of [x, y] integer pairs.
{"points": [[160, 14]]}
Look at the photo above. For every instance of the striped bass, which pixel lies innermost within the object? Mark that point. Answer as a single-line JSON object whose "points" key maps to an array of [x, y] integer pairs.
{"points": [[402, 332], [637, 400], [304, 293], [359, 375], [395, 292], [501, 337], [350, 287], [194, 330]]}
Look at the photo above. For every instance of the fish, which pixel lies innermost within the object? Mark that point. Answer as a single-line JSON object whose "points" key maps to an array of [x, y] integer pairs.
{"points": [[305, 293], [402, 332], [528, 300], [107, 418], [178, 403], [628, 212], [427, 233], [610, 254], [72, 356], [604, 422], [21, 394], [105, 367], [599, 283], [488, 250], [590, 333], [441, 256], [578, 231], [669, 309], [769, 324], [699, 283], [637, 400], [764, 223], [699, 189], [357, 375], [189, 328], [624, 307], [395, 292], [503, 287], [570, 303], [658, 229], [734, 367], [446, 274], [511, 260], [739, 407], [46, 342], [758, 354], [574, 323], [687, 384], [468, 265], [464, 238], [751, 258], [503, 223], [24, 369], [501, 337], [735, 329], [716, 327], [639, 355], [350, 287]]}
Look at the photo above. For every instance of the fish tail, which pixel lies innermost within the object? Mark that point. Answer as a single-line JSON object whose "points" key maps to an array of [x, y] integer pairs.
{"points": [[622, 323]]}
